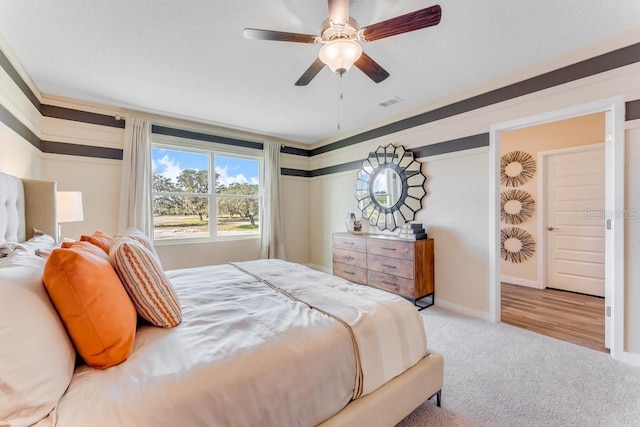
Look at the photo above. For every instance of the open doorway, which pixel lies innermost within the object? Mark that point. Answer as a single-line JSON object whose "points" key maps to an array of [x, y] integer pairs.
{"points": [[552, 202], [613, 110]]}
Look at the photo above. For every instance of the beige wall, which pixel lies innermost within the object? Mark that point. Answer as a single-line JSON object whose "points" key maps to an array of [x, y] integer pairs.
{"points": [[17, 156], [186, 255], [296, 224], [457, 204], [455, 218], [585, 130], [632, 243], [456, 186], [296, 219], [455, 210], [99, 181]]}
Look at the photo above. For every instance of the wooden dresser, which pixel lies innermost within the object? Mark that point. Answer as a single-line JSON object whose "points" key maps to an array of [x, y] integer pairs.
{"points": [[404, 267]]}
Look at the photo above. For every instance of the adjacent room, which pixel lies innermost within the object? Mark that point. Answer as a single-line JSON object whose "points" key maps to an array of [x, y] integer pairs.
{"points": [[320, 213]]}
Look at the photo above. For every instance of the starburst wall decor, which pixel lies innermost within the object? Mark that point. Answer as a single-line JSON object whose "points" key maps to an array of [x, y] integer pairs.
{"points": [[516, 245], [516, 168], [516, 206]]}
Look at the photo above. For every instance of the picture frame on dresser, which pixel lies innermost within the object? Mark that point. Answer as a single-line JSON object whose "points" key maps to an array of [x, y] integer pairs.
{"points": [[400, 266]]}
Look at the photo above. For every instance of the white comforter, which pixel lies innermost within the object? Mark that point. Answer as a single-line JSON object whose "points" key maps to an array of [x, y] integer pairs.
{"points": [[247, 354]]}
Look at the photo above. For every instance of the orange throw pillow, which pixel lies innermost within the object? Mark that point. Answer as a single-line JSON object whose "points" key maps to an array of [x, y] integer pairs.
{"points": [[87, 247], [92, 303], [100, 239]]}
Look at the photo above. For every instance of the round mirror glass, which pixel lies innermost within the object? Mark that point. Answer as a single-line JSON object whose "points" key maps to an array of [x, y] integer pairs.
{"points": [[387, 188], [390, 187]]}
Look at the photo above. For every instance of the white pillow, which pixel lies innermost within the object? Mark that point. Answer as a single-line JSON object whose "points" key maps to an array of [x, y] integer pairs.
{"points": [[36, 356], [39, 242]]}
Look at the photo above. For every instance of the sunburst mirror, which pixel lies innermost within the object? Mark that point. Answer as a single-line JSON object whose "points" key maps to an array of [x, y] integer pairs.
{"points": [[390, 187]]}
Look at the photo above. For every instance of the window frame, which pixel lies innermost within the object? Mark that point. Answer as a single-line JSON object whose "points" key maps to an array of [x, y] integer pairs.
{"points": [[211, 150]]}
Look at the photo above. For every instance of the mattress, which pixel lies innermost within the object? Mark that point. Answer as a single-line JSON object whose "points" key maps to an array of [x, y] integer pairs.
{"points": [[266, 343]]}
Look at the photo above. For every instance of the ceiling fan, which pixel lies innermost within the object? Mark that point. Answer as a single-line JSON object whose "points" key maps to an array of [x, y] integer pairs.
{"points": [[341, 37]]}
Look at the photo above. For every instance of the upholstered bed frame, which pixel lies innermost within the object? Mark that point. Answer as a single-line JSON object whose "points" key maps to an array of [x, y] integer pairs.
{"points": [[26, 204], [389, 404]]}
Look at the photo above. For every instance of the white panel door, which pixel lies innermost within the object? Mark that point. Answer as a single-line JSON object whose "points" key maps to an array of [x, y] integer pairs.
{"points": [[575, 221]]}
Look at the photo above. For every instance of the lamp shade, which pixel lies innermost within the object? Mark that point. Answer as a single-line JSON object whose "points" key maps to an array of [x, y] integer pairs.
{"points": [[340, 54], [70, 206]]}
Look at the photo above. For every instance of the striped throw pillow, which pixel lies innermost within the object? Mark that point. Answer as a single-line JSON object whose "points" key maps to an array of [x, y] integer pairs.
{"points": [[143, 278], [141, 238]]}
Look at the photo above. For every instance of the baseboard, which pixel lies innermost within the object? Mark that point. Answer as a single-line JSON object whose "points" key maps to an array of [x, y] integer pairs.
{"points": [[471, 312], [319, 268], [631, 358], [521, 282]]}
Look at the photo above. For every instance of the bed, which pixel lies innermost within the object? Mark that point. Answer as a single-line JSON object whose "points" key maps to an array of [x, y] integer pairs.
{"points": [[260, 343]]}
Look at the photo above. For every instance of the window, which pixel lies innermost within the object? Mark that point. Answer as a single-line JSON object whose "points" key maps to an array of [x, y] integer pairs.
{"points": [[188, 198]]}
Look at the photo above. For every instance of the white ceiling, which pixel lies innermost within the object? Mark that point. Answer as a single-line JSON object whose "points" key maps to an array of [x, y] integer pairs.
{"points": [[189, 59]]}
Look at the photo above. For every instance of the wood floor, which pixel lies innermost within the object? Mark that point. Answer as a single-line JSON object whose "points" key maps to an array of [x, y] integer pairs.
{"points": [[567, 316]]}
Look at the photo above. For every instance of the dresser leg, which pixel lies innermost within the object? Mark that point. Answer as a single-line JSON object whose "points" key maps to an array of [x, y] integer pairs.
{"points": [[431, 302]]}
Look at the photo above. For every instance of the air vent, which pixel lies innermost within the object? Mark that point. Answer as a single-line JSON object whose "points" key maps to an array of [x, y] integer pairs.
{"points": [[390, 101]]}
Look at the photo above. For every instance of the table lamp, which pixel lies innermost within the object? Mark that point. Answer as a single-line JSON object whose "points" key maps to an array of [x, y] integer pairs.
{"points": [[69, 208]]}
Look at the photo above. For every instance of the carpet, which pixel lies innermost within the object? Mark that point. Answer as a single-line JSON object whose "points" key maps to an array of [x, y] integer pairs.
{"points": [[500, 375]]}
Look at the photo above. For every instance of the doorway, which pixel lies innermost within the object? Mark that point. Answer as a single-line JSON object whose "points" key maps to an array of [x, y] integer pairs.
{"points": [[614, 202], [561, 207], [567, 316]]}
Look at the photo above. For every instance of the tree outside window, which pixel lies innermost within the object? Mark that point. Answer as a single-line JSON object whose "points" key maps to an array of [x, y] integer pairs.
{"points": [[182, 200]]}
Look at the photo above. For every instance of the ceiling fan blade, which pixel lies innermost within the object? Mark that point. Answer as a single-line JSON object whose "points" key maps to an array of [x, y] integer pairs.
{"points": [[371, 68], [403, 24], [311, 72], [339, 11], [254, 34]]}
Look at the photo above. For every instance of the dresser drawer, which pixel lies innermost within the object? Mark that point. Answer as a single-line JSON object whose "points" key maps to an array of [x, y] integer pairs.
{"points": [[343, 256], [352, 243], [394, 284], [394, 266], [349, 272], [400, 266], [391, 248]]}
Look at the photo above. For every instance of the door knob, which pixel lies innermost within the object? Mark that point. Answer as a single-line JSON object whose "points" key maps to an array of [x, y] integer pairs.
{"points": [[551, 228]]}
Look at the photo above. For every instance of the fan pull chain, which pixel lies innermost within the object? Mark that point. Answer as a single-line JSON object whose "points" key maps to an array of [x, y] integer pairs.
{"points": [[339, 98]]}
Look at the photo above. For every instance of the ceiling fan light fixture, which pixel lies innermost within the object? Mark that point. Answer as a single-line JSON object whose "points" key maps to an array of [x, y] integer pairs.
{"points": [[340, 54]]}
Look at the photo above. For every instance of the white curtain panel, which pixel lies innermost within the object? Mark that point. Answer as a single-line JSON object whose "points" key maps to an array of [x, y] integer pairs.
{"points": [[272, 232], [135, 188]]}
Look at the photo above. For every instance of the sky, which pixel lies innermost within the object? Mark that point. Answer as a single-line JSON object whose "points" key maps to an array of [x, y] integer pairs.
{"points": [[170, 163]]}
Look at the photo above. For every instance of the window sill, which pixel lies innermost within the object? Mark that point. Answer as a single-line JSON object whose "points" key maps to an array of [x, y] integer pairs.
{"points": [[168, 242]]}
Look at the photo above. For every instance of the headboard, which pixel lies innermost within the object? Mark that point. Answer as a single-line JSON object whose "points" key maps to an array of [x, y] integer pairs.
{"points": [[26, 204]]}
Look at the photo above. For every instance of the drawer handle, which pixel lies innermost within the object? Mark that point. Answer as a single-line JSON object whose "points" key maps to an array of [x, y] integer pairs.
{"points": [[349, 257], [389, 266], [350, 272], [388, 249], [389, 283]]}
